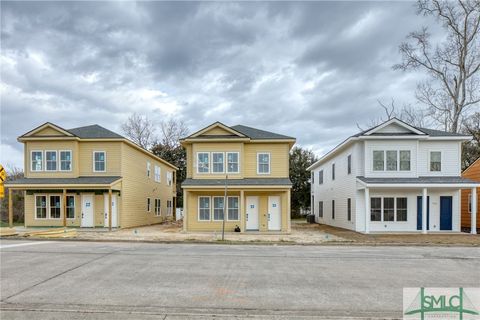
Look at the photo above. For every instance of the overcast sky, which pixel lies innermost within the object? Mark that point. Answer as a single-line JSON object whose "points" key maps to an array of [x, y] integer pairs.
{"points": [[309, 70]]}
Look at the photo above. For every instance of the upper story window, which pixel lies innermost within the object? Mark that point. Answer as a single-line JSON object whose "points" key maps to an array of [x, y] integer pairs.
{"points": [[320, 177], [169, 178], [391, 160], [203, 162], [263, 163], [349, 164], [50, 160], [435, 161], [232, 162], [148, 169], [333, 171], [217, 162], [65, 160], [99, 161], [313, 177], [37, 161], [158, 174]]}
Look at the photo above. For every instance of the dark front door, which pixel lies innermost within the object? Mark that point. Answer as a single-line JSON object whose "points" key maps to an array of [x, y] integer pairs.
{"points": [[419, 213], [446, 213]]}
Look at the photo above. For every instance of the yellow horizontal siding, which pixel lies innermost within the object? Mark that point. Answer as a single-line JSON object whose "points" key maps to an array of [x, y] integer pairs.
{"points": [[48, 131], [279, 159], [51, 145], [216, 147], [113, 155]]}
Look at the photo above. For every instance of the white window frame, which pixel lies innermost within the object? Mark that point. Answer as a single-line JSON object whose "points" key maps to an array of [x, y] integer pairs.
{"points": [[93, 160], [169, 177], [60, 160], [149, 204], [373, 161], [269, 163], [198, 163], [56, 161], [400, 160], [46, 206], [430, 160], [158, 213], [385, 157], [209, 209], [169, 207], [157, 174], [41, 160], [396, 209], [223, 162], [382, 209], [74, 206], [238, 161], [50, 206], [149, 167], [213, 207], [238, 208]]}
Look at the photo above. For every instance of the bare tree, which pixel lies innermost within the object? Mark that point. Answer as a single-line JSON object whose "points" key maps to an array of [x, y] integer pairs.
{"points": [[453, 67], [172, 131], [140, 130]]}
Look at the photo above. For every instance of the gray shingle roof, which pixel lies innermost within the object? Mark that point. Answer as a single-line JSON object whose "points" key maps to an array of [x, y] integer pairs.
{"points": [[94, 132], [238, 182], [256, 134], [419, 180], [79, 180]]}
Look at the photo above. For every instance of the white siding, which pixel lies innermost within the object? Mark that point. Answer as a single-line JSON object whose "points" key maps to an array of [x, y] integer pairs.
{"points": [[451, 152]]}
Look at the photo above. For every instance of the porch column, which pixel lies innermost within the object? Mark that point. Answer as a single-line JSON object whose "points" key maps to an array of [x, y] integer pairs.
{"points": [[367, 210], [289, 213], [185, 209], [424, 210], [109, 209], [473, 229], [241, 208], [64, 201], [10, 208]]}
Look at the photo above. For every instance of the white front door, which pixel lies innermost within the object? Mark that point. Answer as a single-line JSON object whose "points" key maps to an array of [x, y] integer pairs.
{"points": [[114, 210], [252, 213], [87, 211], [274, 213]]}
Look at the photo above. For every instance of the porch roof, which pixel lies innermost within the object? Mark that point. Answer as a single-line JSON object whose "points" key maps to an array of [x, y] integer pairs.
{"points": [[445, 181], [63, 182], [237, 182]]}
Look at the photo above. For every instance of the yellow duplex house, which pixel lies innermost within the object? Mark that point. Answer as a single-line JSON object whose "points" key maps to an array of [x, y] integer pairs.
{"points": [[252, 165], [71, 177]]}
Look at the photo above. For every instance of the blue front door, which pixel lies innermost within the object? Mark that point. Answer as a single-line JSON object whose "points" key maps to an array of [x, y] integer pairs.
{"points": [[419, 213], [446, 213]]}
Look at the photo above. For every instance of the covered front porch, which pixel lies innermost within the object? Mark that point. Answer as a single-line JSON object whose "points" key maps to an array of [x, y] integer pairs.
{"points": [[417, 205]]}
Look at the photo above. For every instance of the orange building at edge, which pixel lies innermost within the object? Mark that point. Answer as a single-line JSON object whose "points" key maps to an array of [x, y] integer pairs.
{"points": [[472, 173]]}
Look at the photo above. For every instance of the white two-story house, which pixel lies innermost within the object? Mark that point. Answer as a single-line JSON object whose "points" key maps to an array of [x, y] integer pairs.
{"points": [[392, 178]]}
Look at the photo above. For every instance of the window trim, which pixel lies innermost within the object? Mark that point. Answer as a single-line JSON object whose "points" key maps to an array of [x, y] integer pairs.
{"points": [[41, 160], [105, 161], [238, 162], [60, 160], [46, 206], [149, 169], [198, 162], [269, 163], [209, 209], [213, 207], [349, 164], [56, 161], [223, 162], [50, 206], [430, 160], [159, 176], [238, 209], [74, 206], [385, 161]]}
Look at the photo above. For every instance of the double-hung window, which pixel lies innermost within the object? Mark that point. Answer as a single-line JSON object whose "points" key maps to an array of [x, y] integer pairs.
{"points": [[376, 209], [169, 207], [65, 160], [99, 161], [204, 208], [435, 161], [401, 209], [70, 207], [333, 209], [55, 207], [349, 209], [203, 162], [157, 173], [404, 160], [391, 160], [232, 208], [333, 171], [149, 205], [263, 163], [51, 160], [158, 207], [169, 178], [313, 205], [320, 177], [313, 177], [378, 160], [320, 209], [349, 164], [148, 169], [218, 206], [40, 207], [388, 209], [470, 203], [217, 162], [232, 162], [37, 161]]}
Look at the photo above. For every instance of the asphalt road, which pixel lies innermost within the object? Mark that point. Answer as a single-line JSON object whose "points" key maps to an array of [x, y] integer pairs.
{"points": [[94, 280]]}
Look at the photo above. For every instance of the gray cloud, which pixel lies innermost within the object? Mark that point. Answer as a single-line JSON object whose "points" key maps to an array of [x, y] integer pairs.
{"points": [[308, 69]]}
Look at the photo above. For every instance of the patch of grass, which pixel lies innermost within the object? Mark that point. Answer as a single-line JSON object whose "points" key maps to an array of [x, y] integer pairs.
{"points": [[4, 224]]}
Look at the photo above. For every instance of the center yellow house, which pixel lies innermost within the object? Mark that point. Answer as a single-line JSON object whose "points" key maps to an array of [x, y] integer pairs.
{"points": [[252, 165]]}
